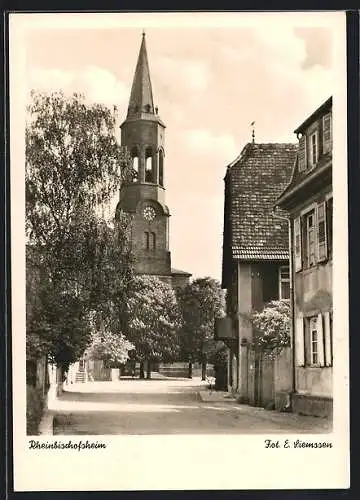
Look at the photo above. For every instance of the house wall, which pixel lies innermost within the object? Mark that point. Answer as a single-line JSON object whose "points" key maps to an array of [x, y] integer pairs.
{"points": [[312, 296], [257, 380]]}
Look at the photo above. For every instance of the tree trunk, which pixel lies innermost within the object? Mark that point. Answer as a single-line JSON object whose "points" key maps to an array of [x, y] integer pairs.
{"points": [[142, 372], [59, 378], [148, 374], [203, 369], [190, 370]]}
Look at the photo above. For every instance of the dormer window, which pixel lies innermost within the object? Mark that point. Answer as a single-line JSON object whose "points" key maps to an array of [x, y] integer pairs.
{"points": [[314, 148], [147, 108]]}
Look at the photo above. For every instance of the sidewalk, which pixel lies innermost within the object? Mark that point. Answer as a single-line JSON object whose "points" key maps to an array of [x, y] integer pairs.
{"points": [[216, 396], [312, 424], [46, 426]]}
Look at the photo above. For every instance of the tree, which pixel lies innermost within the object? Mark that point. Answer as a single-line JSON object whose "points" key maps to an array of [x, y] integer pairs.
{"points": [[58, 325], [201, 301], [219, 358], [112, 349], [83, 264], [272, 327], [154, 321]]}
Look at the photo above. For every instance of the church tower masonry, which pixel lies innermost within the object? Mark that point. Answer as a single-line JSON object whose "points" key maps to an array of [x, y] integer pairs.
{"points": [[143, 133]]}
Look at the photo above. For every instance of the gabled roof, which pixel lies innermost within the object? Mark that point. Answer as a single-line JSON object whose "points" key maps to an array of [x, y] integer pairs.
{"points": [[321, 110], [252, 184]]}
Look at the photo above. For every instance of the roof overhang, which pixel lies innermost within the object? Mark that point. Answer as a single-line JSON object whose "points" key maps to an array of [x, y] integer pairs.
{"points": [[304, 187], [257, 254]]}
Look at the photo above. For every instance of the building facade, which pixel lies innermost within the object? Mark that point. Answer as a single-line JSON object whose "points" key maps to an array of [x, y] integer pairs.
{"points": [[255, 266], [309, 204], [143, 133]]}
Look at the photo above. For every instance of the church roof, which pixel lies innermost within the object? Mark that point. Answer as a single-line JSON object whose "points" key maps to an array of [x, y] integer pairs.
{"points": [[179, 272], [141, 97], [252, 184]]}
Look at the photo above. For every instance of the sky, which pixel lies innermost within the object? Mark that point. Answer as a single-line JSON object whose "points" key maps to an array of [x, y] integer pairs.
{"points": [[211, 76]]}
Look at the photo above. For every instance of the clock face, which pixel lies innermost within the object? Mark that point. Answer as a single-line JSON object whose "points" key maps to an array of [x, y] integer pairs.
{"points": [[149, 214]]}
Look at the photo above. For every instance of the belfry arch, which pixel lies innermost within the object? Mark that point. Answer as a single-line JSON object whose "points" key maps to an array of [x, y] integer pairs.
{"points": [[149, 165], [135, 158]]}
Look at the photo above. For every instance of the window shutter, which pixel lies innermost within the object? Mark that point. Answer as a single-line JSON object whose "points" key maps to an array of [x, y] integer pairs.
{"points": [[302, 153], [322, 232], [327, 133], [299, 341], [320, 332], [328, 339], [297, 244]]}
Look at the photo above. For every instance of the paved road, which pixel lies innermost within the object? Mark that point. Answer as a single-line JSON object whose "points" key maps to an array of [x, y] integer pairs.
{"points": [[170, 406]]}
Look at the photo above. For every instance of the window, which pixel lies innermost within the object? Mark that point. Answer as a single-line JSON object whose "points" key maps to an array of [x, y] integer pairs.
{"points": [[149, 167], [327, 133], [313, 238], [135, 163], [314, 151], [321, 233], [149, 241], [314, 340], [146, 240], [284, 282], [310, 239], [302, 153]]}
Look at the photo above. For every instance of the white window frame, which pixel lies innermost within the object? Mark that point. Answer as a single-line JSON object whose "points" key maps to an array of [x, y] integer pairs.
{"points": [[313, 329], [283, 280], [315, 135], [315, 326]]}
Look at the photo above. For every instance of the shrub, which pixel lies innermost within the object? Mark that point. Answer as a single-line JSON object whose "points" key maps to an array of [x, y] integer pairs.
{"points": [[272, 328], [219, 360], [34, 410]]}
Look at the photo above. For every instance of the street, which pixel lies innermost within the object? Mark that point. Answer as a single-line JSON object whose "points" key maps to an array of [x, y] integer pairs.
{"points": [[166, 406]]}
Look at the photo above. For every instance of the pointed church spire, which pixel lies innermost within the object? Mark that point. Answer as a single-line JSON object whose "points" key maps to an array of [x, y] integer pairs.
{"points": [[141, 98]]}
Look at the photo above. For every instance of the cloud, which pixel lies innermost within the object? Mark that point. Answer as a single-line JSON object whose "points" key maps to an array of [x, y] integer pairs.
{"points": [[102, 86], [204, 142], [97, 84], [193, 74], [209, 84], [48, 79]]}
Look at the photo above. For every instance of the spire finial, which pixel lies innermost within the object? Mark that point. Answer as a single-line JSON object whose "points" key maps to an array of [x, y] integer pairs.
{"points": [[252, 124], [143, 33]]}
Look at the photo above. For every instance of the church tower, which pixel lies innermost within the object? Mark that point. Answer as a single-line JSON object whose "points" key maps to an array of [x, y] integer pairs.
{"points": [[143, 132]]}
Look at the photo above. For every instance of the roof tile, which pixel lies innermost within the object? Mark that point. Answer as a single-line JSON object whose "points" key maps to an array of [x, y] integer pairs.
{"points": [[256, 179]]}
